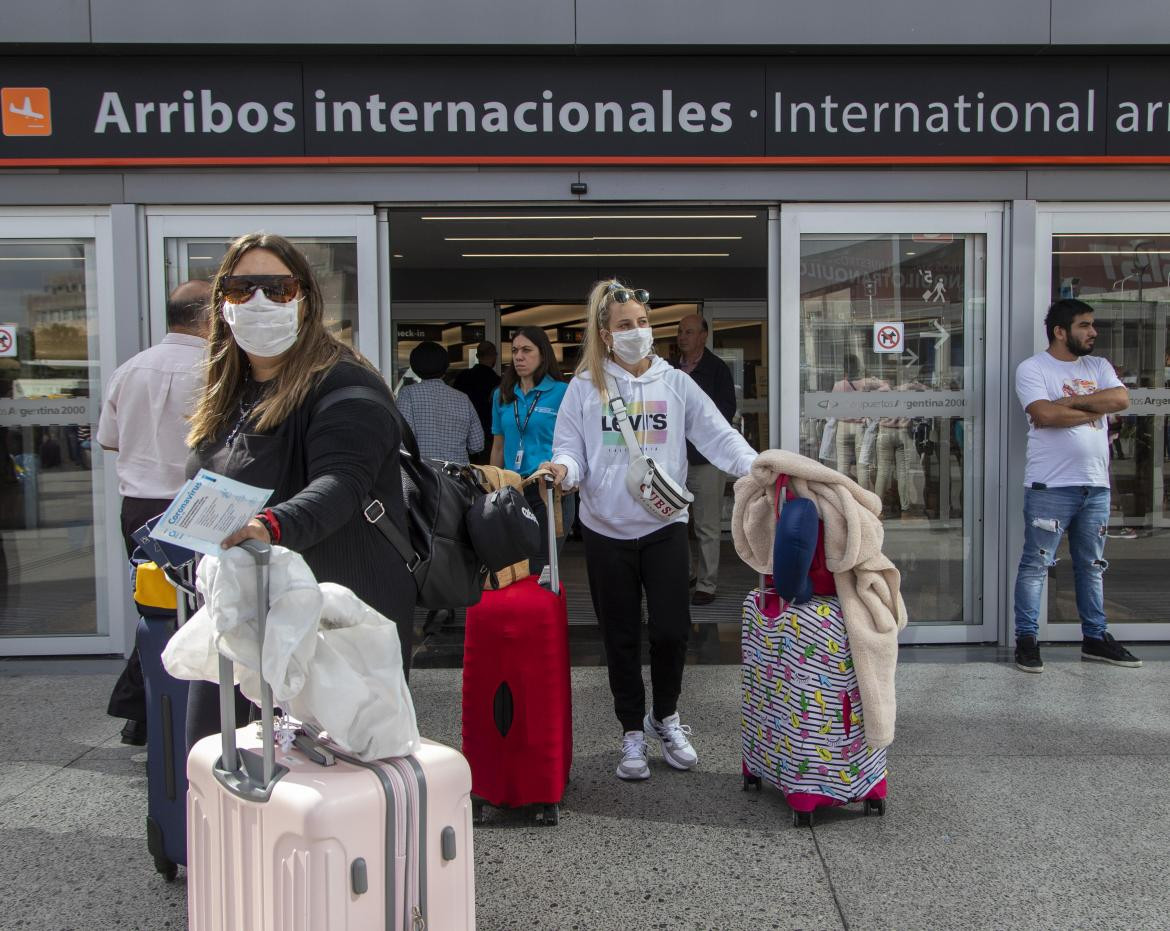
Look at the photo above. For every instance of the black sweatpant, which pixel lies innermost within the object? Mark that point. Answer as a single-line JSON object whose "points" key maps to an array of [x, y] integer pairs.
{"points": [[619, 571]]}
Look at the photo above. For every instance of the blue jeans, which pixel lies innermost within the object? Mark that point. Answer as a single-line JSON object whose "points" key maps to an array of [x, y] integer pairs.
{"points": [[1081, 511]]}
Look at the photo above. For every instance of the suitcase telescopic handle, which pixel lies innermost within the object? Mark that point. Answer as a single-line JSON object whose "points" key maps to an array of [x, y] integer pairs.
{"points": [[238, 770], [554, 562]]}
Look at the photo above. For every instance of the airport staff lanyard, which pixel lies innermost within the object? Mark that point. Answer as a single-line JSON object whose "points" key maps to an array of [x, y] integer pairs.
{"points": [[523, 429]]}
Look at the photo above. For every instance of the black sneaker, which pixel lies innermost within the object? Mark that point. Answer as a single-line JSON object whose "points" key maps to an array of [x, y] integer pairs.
{"points": [[1028, 654], [1108, 650]]}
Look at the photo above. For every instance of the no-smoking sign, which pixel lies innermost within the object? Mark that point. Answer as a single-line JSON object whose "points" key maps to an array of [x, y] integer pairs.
{"points": [[889, 336], [7, 340]]}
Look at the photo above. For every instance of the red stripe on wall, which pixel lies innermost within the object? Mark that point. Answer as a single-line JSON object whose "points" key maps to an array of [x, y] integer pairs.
{"points": [[586, 160]]}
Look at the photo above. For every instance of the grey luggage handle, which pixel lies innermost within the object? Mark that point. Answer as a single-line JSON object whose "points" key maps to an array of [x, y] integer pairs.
{"points": [[554, 567], [243, 772]]}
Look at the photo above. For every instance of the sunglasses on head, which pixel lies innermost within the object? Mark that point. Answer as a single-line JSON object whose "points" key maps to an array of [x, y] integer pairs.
{"points": [[238, 289], [622, 295]]}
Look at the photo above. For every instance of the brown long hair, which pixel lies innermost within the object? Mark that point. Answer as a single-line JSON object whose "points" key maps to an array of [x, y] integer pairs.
{"points": [[547, 367], [315, 351]]}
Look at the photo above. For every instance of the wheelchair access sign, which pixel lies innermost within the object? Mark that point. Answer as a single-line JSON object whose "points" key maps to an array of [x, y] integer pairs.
{"points": [[889, 336]]}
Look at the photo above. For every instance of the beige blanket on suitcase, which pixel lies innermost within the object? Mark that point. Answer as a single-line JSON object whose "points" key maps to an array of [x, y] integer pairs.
{"points": [[868, 584]]}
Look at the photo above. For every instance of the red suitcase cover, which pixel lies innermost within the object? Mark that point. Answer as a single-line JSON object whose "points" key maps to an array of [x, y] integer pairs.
{"points": [[517, 697]]}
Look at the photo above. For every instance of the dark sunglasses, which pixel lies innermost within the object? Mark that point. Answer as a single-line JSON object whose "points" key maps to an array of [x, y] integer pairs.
{"points": [[625, 295], [238, 289]]}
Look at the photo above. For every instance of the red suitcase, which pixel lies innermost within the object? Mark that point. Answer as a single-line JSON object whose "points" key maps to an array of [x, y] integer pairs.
{"points": [[517, 698]]}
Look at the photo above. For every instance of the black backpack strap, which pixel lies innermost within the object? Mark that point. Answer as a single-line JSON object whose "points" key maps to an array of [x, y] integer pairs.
{"points": [[374, 511]]}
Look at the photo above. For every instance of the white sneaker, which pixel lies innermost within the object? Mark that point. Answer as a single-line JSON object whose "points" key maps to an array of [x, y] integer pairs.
{"points": [[675, 740], [633, 764]]}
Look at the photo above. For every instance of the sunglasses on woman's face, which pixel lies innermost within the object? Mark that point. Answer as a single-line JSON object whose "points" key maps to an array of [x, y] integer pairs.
{"points": [[625, 295], [238, 289]]}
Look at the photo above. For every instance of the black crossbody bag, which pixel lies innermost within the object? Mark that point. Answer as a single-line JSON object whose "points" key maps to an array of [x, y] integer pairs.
{"points": [[437, 550]]}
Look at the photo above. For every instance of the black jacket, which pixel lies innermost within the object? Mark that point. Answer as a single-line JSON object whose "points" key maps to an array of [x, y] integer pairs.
{"points": [[323, 469], [478, 383], [714, 377]]}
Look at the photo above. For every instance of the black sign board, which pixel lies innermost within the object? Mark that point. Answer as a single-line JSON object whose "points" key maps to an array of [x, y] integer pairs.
{"points": [[570, 335], [576, 110], [419, 331], [472, 333]]}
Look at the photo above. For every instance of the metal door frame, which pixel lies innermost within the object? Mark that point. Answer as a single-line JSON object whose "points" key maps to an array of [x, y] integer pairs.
{"points": [[890, 219], [110, 589]]}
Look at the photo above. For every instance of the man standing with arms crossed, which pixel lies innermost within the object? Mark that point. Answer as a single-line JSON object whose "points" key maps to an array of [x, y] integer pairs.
{"points": [[144, 420], [1067, 393], [704, 480]]}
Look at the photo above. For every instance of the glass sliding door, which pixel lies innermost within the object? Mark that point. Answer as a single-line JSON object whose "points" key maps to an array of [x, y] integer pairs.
{"points": [[1118, 262], [53, 589], [890, 364]]}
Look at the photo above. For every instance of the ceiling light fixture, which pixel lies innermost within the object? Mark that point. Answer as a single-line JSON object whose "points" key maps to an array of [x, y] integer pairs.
{"points": [[603, 216], [596, 255], [591, 238], [1116, 252]]}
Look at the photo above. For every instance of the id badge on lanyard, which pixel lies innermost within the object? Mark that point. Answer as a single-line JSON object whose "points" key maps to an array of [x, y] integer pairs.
{"points": [[523, 429]]}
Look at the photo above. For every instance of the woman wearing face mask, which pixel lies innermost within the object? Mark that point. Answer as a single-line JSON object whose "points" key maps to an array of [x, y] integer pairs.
{"points": [[628, 550], [270, 361], [524, 413]]}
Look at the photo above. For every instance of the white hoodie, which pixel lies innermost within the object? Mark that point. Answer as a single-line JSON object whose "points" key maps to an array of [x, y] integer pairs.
{"points": [[666, 408]]}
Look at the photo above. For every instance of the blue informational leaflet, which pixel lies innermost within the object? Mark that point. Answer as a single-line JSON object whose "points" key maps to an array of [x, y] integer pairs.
{"points": [[207, 510]]}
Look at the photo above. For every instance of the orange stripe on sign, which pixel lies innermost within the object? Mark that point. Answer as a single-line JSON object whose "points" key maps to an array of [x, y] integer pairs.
{"points": [[583, 160]]}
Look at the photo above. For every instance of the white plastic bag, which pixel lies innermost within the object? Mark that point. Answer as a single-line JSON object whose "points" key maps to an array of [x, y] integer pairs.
{"points": [[356, 690]]}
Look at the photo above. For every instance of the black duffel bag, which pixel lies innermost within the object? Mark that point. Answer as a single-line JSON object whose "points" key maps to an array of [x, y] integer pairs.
{"points": [[437, 549], [503, 528]]}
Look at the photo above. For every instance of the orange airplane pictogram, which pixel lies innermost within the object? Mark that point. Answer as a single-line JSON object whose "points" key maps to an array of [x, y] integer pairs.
{"points": [[26, 111]]}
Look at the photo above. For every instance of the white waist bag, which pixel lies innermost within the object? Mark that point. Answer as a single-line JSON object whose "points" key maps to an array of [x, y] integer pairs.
{"points": [[659, 494]]}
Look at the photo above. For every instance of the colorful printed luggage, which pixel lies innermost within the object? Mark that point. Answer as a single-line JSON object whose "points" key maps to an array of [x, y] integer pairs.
{"points": [[517, 697], [311, 838], [802, 720], [161, 610]]}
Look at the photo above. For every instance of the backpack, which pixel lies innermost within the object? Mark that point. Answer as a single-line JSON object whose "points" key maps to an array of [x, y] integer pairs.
{"points": [[436, 547]]}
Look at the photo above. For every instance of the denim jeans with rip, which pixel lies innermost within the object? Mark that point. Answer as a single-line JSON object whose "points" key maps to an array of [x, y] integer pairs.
{"points": [[1082, 512]]}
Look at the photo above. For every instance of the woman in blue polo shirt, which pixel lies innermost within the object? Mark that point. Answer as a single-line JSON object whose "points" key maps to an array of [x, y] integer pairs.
{"points": [[524, 414]]}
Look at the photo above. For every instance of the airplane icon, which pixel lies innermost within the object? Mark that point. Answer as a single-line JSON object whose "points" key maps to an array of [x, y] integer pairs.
{"points": [[26, 111]]}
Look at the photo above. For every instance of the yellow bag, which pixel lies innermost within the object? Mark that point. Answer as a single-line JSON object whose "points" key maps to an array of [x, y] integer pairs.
{"points": [[152, 590]]}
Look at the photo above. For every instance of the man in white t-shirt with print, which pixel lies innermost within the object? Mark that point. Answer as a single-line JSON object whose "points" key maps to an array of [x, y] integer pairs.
{"points": [[1067, 393]]}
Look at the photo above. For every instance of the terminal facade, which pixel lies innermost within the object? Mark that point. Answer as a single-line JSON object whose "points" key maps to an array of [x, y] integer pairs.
{"points": [[871, 209]]}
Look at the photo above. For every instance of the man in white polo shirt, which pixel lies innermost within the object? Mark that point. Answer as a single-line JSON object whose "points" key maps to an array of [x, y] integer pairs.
{"points": [[144, 421], [1067, 393]]}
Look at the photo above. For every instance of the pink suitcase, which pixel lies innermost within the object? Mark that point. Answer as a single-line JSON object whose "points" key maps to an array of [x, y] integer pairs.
{"points": [[315, 840]]}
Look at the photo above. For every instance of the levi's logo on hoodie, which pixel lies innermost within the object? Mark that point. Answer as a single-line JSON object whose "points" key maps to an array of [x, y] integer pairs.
{"points": [[647, 418]]}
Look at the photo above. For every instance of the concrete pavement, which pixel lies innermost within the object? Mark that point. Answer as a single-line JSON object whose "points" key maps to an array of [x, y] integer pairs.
{"points": [[1017, 801]]}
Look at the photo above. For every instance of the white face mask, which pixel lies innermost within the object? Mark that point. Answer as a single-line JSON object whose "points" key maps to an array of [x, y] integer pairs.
{"points": [[261, 326], [632, 346]]}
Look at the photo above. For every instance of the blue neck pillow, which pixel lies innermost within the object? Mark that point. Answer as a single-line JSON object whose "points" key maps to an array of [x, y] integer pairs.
{"points": [[794, 548]]}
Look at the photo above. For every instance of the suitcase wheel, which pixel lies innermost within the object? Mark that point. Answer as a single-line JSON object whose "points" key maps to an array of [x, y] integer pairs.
{"points": [[168, 869], [550, 815], [477, 812], [802, 819], [875, 806], [749, 781]]}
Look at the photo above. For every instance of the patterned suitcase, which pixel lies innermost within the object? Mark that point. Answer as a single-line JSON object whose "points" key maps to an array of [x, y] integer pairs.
{"points": [[802, 721], [311, 839]]}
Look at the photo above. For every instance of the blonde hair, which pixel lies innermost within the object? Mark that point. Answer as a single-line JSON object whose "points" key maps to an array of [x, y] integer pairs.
{"points": [[594, 351], [315, 351]]}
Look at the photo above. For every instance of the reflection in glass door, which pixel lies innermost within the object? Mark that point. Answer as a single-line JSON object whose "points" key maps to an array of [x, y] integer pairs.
{"points": [[49, 372], [891, 364], [334, 263], [1126, 279]]}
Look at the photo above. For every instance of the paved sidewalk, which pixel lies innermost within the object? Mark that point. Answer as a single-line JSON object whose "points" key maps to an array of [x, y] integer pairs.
{"points": [[1017, 801]]}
